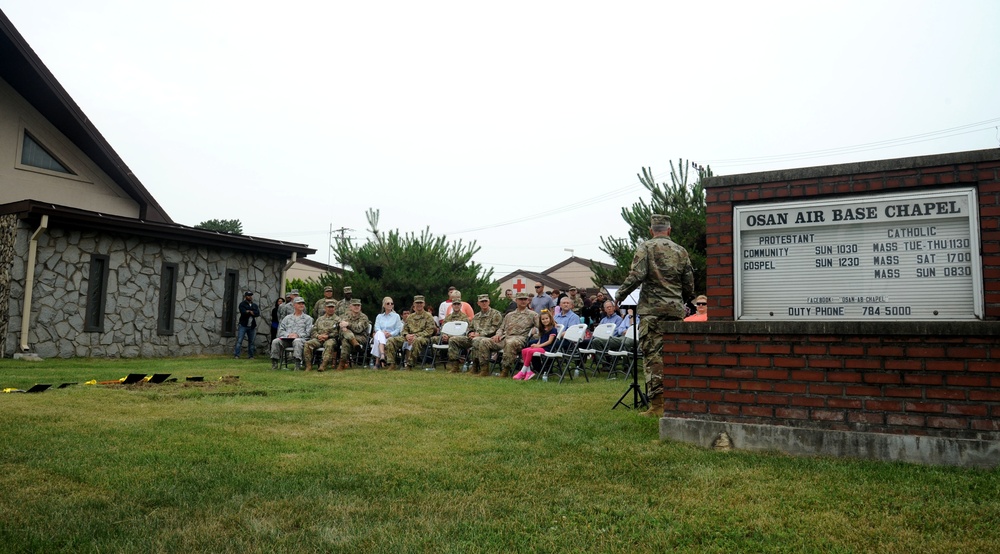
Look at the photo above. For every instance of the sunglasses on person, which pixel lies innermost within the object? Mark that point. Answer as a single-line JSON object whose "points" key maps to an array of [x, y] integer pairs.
{"points": [[701, 303]]}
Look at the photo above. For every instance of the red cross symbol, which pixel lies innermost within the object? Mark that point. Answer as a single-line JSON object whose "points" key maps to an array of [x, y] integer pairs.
{"points": [[519, 286]]}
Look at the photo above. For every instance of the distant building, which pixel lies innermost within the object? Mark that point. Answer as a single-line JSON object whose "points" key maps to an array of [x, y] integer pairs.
{"points": [[573, 271], [90, 263]]}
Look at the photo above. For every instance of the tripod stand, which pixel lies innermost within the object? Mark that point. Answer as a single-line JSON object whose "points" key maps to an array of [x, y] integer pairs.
{"points": [[639, 398]]}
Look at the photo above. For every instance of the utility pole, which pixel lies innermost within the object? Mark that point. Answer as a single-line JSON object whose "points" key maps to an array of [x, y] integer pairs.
{"points": [[342, 230]]}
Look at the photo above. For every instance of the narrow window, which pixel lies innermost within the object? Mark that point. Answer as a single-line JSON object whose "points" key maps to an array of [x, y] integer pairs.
{"points": [[229, 303], [168, 298], [35, 155], [97, 294]]}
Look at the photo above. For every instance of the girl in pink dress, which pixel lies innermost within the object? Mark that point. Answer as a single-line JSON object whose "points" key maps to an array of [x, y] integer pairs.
{"points": [[546, 338]]}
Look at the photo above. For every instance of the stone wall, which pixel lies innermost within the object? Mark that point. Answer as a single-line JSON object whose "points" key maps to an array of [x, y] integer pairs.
{"points": [[130, 323], [8, 224]]}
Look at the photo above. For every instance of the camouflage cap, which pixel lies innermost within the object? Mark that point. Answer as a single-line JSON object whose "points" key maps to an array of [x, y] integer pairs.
{"points": [[294, 291], [456, 299], [299, 300], [418, 298], [484, 298], [356, 302], [327, 289], [330, 304], [347, 290], [521, 295], [659, 220]]}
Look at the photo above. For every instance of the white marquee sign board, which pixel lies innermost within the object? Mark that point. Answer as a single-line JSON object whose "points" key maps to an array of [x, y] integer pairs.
{"points": [[912, 256]]}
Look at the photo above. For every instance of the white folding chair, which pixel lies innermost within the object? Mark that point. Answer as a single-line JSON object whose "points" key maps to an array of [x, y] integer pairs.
{"points": [[624, 352], [571, 342], [602, 332], [452, 329]]}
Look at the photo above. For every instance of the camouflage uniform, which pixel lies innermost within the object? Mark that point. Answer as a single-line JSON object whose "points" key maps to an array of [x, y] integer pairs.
{"points": [[577, 305], [357, 329], [484, 325], [664, 270], [328, 325], [319, 309], [343, 307], [302, 326], [420, 324], [513, 335]]}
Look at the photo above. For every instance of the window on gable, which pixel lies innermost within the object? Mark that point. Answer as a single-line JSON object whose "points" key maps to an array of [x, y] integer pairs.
{"points": [[35, 155]]}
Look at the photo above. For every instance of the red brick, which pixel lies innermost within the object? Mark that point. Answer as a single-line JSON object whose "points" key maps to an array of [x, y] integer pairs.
{"points": [[843, 377], [809, 350], [947, 422], [739, 397], [691, 359], [985, 424], [851, 403], [757, 411], [706, 372], [863, 364], [722, 360], [724, 409], [905, 419], [676, 370], [866, 418], [738, 373], [983, 395], [861, 390], [847, 351], [826, 363], [789, 362], [774, 349], [779, 374], [794, 388], [706, 396], [676, 347], [692, 383], [824, 338], [707, 348], [967, 352], [669, 406], [945, 394], [755, 386], [944, 365], [828, 415], [812, 401], [791, 413], [966, 381], [903, 392], [808, 376], [930, 407], [741, 348], [883, 378], [723, 385], [827, 390], [677, 394], [755, 361], [778, 399], [966, 409], [884, 405], [692, 407], [912, 379], [885, 351], [913, 365], [992, 367]]}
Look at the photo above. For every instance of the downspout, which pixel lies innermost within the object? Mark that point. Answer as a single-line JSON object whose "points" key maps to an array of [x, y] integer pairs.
{"points": [[284, 271], [29, 282]]}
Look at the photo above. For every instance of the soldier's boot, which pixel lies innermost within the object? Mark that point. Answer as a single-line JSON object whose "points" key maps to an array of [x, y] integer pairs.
{"points": [[454, 366], [473, 368], [391, 366], [504, 373], [655, 407], [484, 371], [322, 366], [274, 363], [343, 364], [309, 363], [354, 343], [298, 364]]}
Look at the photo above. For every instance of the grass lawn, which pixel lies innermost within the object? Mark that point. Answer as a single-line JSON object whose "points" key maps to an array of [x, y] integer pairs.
{"points": [[365, 461]]}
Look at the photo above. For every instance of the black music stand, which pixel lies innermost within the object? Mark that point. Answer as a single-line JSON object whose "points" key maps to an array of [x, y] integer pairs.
{"points": [[639, 398]]}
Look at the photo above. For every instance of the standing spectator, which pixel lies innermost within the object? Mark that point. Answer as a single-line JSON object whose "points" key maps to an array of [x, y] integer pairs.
{"points": [[249, 312], [664, 270], [320, 307], [344, 306], [443, 308], [542, 301], [577, 301], [275, 318], [464, 306], [289, 306]]}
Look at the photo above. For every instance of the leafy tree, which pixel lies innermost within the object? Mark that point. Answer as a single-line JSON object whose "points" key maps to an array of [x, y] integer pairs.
{"points": [[683, 202], [231, 226], [402, 266]]}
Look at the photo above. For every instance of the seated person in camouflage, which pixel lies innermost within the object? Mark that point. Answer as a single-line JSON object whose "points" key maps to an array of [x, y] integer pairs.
{"points": [[482, 327], [353, 329], [511, 337], [325, 333], [294, 328], [417, 333]]}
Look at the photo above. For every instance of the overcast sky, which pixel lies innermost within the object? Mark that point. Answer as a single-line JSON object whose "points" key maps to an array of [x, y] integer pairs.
{"points": [[520, 125]]}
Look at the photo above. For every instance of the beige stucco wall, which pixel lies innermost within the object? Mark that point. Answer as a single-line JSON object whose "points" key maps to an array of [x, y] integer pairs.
{"points": [[578, 275], [304, 272], [91, 189]]}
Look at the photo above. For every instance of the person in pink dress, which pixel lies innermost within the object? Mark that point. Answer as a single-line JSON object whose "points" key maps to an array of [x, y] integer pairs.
{"points": [[547, 333]]}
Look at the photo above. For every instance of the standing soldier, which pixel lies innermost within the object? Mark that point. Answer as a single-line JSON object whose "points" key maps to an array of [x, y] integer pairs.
{"points": [[320, 307], [577, 301], [324, 333], [664, 270], [344, 305], [354, 325], [417, 332], [511, 337], [483, 325]]}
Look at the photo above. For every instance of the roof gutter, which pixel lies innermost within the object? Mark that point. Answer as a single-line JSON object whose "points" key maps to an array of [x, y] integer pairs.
{"points": [[284, 274], [29, 282]]}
